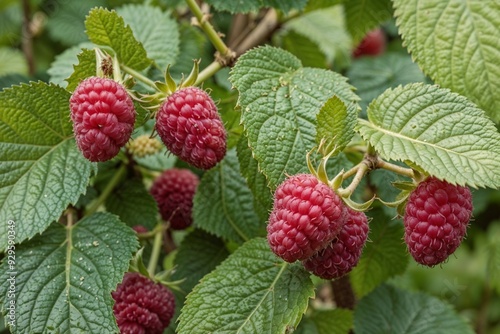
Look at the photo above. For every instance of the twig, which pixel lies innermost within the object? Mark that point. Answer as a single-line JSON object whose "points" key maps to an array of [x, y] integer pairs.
{"points": [[27, 38], [265, 27]]}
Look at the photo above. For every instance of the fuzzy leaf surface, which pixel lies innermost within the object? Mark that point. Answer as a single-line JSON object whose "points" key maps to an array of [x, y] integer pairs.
{"points": [[107, 28], [280, 100], [86, 67], [222, 204], [41, 169], [365, 15], [439, 131], [253, 5], [252, 291], [156, 30], [391, 310], [65, 276], [456, 43]]}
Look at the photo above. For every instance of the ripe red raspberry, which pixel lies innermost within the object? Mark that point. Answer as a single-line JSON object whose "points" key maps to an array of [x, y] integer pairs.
{"points": [[174, 190], [436, 219], [103, 117], [307, 215], [373, 44], [343, 253], [190, 127], [141, 306]]}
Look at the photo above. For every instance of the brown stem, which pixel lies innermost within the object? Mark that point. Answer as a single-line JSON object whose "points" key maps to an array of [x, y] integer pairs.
{"points": [[482, 315], [261, 32], [27, 38], [343, 295], [238, 26]]}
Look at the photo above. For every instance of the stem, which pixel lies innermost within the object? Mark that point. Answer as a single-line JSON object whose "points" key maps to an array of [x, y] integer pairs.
{"points": [[362, 168], [343, 295], [155, 254], [208, 72], [139, 76], [266, 26], [107, 191], [408, 172], [209, 30], [27, 40]]}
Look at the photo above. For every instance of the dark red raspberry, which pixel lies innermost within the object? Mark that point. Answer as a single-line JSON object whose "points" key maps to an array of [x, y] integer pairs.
{"points": [[307, 215], [174, 190], [373, 44], [343, 253], [141, 306], [191, 128], [103, 117], [436, 219]]}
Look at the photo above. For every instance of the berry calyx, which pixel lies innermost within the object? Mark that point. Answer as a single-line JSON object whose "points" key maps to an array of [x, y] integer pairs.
{"points": [[174, 191], [190, 126], [373, 44], [142, 306], [343, 253], [307, 215], [103, 117], [436, 218]]}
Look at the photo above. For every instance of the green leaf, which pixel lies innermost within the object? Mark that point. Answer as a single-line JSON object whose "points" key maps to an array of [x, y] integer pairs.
{"points": [[41, 169], [303, 48], [198, 254], [365, 15], [63, 66], [336, 123], [65, 276], [253, 5], [252, 291], [12, 61], [256, 181], [192, 44], [222, 204], [156, 30], [318, 4], [391, 310], [86, 68], [133, 204], [337, 321], [373, 75], [384, 256], [439, 131], [326, 28], [455, 43], [106, 28], [279, 101]]}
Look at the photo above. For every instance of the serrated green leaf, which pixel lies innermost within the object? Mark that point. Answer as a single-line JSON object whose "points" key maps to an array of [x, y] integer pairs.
{"points": [[65, 276], [133, 204], [373, 75], [156, 30], [222, 204], [86, 68], [257, 182], [326, 28], [338, 321], [252, 291], [253, 5], [12, 61], [41, 169], [455, 43], [280, 101], [66, 23], [63, 66], [303, 48], [365, 15], [199, 253], [392, 310], [441, 132], [106, 28], [336, 123], [384, 255]]}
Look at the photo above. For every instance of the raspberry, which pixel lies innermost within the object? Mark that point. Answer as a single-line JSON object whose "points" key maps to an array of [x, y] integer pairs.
{"points": [[307, 215], [103, 117], [174, 190], [343, 253], [190, 127], [141, 306], [373, 44], [436, 219]]}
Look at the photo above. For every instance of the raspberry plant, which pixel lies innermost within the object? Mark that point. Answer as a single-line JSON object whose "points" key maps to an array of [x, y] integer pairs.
{"points": [[277, 110]]}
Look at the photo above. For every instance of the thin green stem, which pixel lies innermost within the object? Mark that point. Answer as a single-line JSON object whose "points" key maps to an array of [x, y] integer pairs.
{"points": [[362, 168], [155, 253], [107, 191], [209, 30], [208, 72], [139, 76], [408, 172]]}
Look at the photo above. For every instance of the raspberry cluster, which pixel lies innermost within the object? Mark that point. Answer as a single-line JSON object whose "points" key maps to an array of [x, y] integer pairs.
{"points": [[436, 219], [190, 126], [174, 191], [141, 306], [103, 117]]}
